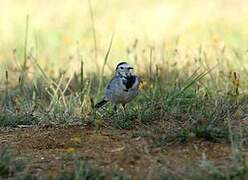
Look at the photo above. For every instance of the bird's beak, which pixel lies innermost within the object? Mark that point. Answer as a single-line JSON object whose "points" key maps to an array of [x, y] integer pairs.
{"points": [[130, 69]]}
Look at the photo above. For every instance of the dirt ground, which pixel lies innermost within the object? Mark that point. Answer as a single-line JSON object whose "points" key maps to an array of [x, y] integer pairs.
{"points": [[46, 149]]}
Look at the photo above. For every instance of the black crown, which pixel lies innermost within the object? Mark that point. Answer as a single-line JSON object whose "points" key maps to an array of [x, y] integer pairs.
{"points": [[120, 64]]}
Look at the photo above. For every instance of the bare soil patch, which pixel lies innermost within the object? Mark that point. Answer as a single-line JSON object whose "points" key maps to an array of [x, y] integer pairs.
{"points": [[47, 149]]}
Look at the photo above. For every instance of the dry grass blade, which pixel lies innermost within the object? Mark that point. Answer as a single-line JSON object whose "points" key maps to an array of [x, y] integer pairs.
{"points": [[191, 80], [55, 93], [107, 54], [46, 78], [81, 81], [104, 64], [197, 78], [24, 67], [63, 92], [93, 33]]}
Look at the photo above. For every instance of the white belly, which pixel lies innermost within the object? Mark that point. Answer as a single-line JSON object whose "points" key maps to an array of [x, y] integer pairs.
{"points": [[121, 97]]}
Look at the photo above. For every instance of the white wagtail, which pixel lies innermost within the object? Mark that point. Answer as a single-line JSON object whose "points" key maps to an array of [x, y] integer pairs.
{"points": [[122, 88]]}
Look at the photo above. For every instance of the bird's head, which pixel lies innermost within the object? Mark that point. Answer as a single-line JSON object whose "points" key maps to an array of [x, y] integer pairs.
{"points": [[124, 69]]}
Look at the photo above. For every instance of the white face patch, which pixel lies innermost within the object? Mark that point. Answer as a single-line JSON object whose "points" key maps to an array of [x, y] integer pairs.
{"points": [[124, 66], [124, 69]]}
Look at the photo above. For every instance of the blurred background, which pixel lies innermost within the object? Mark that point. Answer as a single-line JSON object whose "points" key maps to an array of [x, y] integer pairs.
{"points": [[62, 33], [190, 119]]}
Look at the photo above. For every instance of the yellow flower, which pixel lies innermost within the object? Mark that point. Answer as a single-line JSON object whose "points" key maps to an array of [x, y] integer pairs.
{"points": [[76, 140], [143, 85], [151, 86], [71, 150]]}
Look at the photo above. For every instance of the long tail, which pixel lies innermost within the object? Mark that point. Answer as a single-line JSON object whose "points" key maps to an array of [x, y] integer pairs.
{"points": [[101, 103]]}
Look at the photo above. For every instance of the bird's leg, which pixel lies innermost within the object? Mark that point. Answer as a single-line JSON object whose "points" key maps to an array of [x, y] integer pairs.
{"points": [[124, 106], [124, 109], [115, 108]]}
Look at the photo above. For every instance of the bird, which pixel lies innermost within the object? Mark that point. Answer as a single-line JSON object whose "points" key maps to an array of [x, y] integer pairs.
{"points": [[122, 88]]}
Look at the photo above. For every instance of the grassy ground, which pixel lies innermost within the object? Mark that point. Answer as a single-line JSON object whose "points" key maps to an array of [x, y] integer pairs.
{"points": [[190, 120]]}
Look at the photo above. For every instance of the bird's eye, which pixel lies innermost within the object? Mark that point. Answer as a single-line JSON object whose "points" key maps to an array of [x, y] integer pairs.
{"points": [[121, 67]]}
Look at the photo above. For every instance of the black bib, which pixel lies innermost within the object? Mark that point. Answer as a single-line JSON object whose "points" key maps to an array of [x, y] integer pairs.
{"points": [[129, 81]]}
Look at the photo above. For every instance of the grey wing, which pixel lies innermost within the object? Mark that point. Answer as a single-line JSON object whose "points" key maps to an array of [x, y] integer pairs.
{"points": [[113, 87], [112, 83]]}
